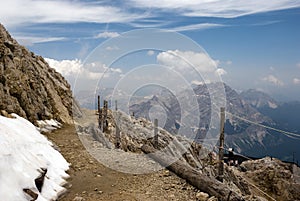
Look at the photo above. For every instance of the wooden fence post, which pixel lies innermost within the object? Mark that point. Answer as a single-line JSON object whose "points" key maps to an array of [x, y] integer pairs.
{"points": [[118, 137], [155, 134], [99, 114], [221, 148], [104, 118]]}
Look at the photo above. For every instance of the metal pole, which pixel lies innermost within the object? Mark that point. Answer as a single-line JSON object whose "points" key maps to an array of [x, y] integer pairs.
{"points": [[116, 105], [155, 134], [221, 148]]}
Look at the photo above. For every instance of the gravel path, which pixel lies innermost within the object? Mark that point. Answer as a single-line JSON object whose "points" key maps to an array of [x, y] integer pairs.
{"points": [[91, 180]]}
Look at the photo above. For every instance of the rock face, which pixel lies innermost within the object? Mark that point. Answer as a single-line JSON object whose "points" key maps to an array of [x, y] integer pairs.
{"points": [[29, 87], [258, 99], [280, 180]]}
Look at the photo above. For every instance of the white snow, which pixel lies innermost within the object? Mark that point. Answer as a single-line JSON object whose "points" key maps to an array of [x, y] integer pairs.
{"points": [[23, 152], [48, 125]]}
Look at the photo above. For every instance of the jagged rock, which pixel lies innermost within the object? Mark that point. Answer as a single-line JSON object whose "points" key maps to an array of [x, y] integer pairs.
{"points": [[275, 177], [5, 114], [29, 87], [77, 198], [202, 196], [32, 194], [39, 181], [213, 198]]}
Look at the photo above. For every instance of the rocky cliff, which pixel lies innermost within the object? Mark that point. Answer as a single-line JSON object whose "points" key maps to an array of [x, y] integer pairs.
{"points": [[258, 99], [29, 87]]}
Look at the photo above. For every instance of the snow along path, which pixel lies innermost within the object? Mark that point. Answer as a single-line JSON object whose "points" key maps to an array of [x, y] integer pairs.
{"points": [[23, 154]]}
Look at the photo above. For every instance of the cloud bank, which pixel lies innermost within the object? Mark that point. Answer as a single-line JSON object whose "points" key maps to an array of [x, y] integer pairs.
{"points": [[296, 81], [192, 65], [107, 35], [76, 69], [273, 80], [216, 8], [182, 60], [19, 12]]}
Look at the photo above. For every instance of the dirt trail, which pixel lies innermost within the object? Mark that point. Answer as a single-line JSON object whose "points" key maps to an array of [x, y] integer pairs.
{"points": [[90, 180]]}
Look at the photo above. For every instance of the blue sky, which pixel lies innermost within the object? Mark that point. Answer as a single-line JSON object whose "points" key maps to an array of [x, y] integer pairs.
{"points": [[256, 42]]}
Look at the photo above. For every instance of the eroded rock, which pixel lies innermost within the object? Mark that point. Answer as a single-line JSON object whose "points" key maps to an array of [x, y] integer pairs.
{"points": [[29, 87]]}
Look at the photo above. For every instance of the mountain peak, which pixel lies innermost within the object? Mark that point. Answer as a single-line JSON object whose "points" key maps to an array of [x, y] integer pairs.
{"points": [[258, 99], [28, 86]]}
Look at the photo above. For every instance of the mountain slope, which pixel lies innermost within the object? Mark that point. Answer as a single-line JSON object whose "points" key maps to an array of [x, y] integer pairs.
{"points": [[240, 135], [258, 99], [29, 87]]}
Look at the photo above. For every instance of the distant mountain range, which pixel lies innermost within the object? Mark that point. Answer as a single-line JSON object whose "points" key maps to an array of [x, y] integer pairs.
{"points": [[244, 137]]}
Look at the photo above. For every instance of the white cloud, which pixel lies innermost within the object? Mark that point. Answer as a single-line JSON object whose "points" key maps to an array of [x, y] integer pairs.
{"points": [[217, 8], [201, 26], [228, 62], [296, 81], [111, 48], [267, 23], [30, 40], [19, 12], [65, 67], [197, 82], [70, 69], [298, 65], [183, 60], [192, 65], [221, 71], [273, 80], [150, 52], [74, 68], [116, 70], [107, 35], [272, 68]]}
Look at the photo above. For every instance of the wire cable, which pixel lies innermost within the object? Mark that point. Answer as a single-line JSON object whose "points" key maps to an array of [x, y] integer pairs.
{"points": [[286, 133]]}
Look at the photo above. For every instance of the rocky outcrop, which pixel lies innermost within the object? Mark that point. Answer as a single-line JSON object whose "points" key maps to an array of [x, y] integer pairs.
{"points": [[29, 87], [253, 180], [278, 179]]}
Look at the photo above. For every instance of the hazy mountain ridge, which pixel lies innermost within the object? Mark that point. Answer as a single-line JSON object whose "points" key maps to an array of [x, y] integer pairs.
{"points": [[243, 136], [258, 99]]}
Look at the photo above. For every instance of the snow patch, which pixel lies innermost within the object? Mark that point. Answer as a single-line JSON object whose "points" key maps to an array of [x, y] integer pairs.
{"points": [[23, 154], [48, 125], [272, 105]]}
